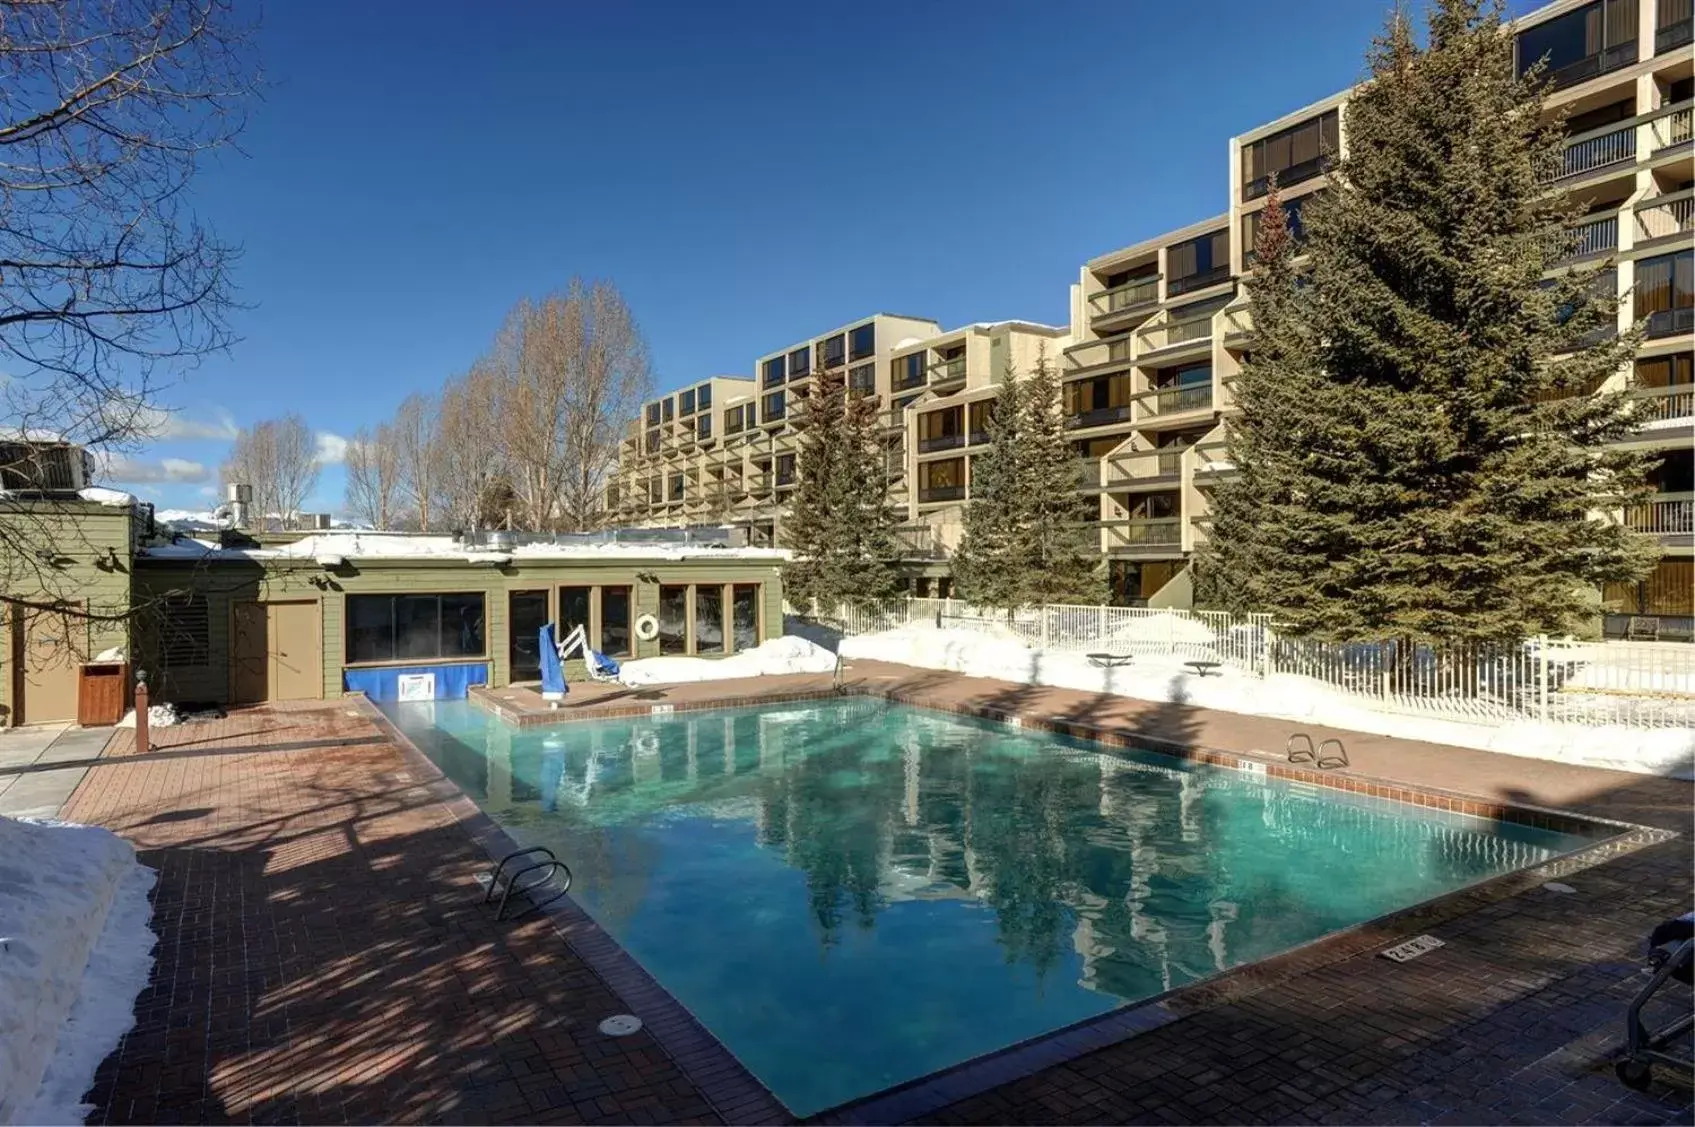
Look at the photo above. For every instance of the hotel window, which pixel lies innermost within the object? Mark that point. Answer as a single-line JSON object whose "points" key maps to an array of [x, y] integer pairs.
{"points": [[685, 402], [526, 614], [1579, 45], [673, 620], [1665, 371], [703, 427], [615, 621], [1665, 293], [800, 362], [666, 408], [1295, 154], [408, 627], [1198, 263], [833, 351], [862, 380], [1291, 216], [703, 396], [655, 491], [862, 341], [733, 420], [981, 413], [573, 610], [785, 469], [676, 490], [907, 371], [652, 442], [773, 371], [940, 430], [653, 414], [773, 407], [941, 481], [708, 619], [744, 616]]}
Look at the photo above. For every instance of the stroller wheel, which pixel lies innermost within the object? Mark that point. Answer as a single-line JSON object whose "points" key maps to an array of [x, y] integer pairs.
{"points": [[1634, 1074]]}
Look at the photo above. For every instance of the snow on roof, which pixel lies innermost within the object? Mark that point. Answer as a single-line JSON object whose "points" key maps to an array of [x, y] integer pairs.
{"points": [[331, 548], [101, 496]]}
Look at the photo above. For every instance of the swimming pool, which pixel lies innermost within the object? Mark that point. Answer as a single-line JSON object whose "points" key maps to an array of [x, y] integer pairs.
{"points": [[851, 894]]}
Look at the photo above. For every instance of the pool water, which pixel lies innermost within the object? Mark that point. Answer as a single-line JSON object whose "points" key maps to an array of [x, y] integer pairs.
{"points": [[852, 894]]}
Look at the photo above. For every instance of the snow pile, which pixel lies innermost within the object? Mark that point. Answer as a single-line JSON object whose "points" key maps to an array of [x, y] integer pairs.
{"points": [[75, 950], [1669, 751], [165, 715], [787, 654], [102, 496]]}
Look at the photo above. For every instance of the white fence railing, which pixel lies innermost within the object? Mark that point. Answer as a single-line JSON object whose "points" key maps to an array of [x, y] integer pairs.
{"points": [[1632, 684]]}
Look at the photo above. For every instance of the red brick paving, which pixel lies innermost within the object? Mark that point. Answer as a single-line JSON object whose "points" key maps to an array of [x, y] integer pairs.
{"points": [[323, 958]]}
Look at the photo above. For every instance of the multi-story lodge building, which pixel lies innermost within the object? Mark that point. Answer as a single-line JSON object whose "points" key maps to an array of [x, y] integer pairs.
{"points": [[1158, 331]]}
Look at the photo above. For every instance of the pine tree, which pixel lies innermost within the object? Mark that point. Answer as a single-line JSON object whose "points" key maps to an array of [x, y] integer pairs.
{"points": [[1417, 455], [1060, 552], [840, 525], [987, 570]]}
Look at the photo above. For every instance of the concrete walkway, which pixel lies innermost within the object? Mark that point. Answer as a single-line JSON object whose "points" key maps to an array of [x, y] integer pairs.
{"points": [[41, 765]]}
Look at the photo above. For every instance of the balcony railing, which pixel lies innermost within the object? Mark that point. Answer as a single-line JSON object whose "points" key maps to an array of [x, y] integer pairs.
{"points": [[1665, 514], [917, 543], [1286, 177], [1238, 322], [1582, 240], [1590, 152], [941, 493], [1213, 457], [1169, 402], [940, 442], [948, 370], [1664, 404], [1661, 217], [1173, 333], [1160, 532], [1672, 322], [1198, 281], [1089, 473], [1099, 417], [978, 438], [1131, 295], [1097, 354], [1674, 126], [908, 382]]}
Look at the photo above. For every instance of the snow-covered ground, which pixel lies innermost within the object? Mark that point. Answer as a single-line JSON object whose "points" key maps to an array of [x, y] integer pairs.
{"points": [[75, 950], [1285, 696], [779, 655]]}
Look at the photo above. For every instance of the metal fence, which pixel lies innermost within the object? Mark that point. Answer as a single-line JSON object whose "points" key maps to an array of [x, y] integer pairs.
{"points": [[1633, 684]]}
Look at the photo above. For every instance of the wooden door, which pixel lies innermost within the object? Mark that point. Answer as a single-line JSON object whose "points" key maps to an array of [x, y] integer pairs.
{"points": [[52, 650], [250, 661], [296, 653]]}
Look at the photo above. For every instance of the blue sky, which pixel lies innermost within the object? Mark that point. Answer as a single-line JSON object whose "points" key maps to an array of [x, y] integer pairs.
{"points": [[747, 174]]}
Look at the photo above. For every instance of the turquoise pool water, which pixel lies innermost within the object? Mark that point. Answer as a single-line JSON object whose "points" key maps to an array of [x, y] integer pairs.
{"points": [[853, 894]]}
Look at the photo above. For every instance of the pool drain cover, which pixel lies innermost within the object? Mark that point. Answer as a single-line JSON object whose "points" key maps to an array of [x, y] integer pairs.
{"points": [[620, 1025], [1556, 886]]}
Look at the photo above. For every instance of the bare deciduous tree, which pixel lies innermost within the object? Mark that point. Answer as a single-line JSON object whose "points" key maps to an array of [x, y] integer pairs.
{"points": [[279, 459], [373, 476], [469, 455], [415, 427], [108, 281]]}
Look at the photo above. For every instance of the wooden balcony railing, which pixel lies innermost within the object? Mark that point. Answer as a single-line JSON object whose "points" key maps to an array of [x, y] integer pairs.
{"points": [[1161, 532], [1583, 240], [1665, 514], [1675, 125], [1595, 150], [1662, 217], [1664, 404], [1174, 400]]}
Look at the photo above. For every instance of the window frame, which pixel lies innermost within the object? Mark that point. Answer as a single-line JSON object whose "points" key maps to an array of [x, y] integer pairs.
{"points": [[855, 352], [393, 597]]}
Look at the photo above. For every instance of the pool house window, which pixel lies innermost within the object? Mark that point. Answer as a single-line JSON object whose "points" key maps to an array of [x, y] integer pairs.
{"points": [[615, 621], [709, 618], [526, 614], [391, 628], [673, 620]]}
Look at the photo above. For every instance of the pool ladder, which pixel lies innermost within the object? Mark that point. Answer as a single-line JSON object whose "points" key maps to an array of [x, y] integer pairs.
{"points": [[1300, 749], [506, 883]]}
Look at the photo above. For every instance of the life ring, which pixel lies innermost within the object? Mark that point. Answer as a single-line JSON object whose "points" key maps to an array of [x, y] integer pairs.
{"points": [[647, 628]]}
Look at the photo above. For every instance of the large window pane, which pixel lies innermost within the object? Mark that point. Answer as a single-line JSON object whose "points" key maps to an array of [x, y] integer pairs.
{"points": [[414, 627], [615, 621], [673, 620], [370, 628], [709, 619], [461, 626], [526, 614], [417, 626], [862, 342], [745, 616], [573, 609]]}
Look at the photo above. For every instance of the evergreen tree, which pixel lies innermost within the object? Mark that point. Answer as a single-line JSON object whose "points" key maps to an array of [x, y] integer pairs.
{"points": [[1060, 552], [987, 570], [1417, 453], [840, 525]]}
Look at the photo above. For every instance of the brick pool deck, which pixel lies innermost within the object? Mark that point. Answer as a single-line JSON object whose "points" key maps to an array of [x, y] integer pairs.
{"points": [[323, 956]]}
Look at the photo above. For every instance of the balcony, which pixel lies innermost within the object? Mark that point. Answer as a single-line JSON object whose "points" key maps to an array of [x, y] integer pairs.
{"points": [[908, 382], [940, 442], [1141, 293], [1095, 355], [938, 493], [1675, 403], [1593, 66], [1172, 401], [1664, 514], [1159, 534], [918, 543], [1099, 417], [947, 371], [1595, 150], [1144, 468], [1188, 330], [1674, 126], [1584, 240], [1286, 177], [1671, 322], [1238, 323], [1664, 217], [1200, 281], [1089, 473], [1212, 458]]}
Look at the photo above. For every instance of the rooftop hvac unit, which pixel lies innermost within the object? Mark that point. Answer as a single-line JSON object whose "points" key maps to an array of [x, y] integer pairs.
{"points": [[319, 522], [55, 467], [239, 491]]}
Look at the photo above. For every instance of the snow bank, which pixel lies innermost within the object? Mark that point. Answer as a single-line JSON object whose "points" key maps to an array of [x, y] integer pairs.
{"points": [[787, 654], [75, 950], [102, 496], [1669, 751]]}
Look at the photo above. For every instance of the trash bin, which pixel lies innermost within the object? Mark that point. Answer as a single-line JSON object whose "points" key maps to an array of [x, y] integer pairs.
{"points": [[101, 690]]}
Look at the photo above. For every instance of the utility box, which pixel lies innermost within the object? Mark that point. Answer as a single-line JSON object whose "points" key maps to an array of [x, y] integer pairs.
{"points": [[102, 687]]}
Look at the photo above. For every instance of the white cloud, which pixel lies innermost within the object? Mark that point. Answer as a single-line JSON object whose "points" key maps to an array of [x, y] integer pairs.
{"points": [[209, 491], [133, 471], [332, 448], [156, 422]]}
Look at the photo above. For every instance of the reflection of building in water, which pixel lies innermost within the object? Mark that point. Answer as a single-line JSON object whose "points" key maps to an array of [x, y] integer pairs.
{"points": [[499, 752]]}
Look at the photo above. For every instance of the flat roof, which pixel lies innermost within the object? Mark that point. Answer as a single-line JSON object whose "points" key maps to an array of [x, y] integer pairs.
{"points": [[331, 549]]}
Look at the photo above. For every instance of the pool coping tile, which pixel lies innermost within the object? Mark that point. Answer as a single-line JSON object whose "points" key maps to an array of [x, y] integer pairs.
{"points": [[738, 1096]]}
